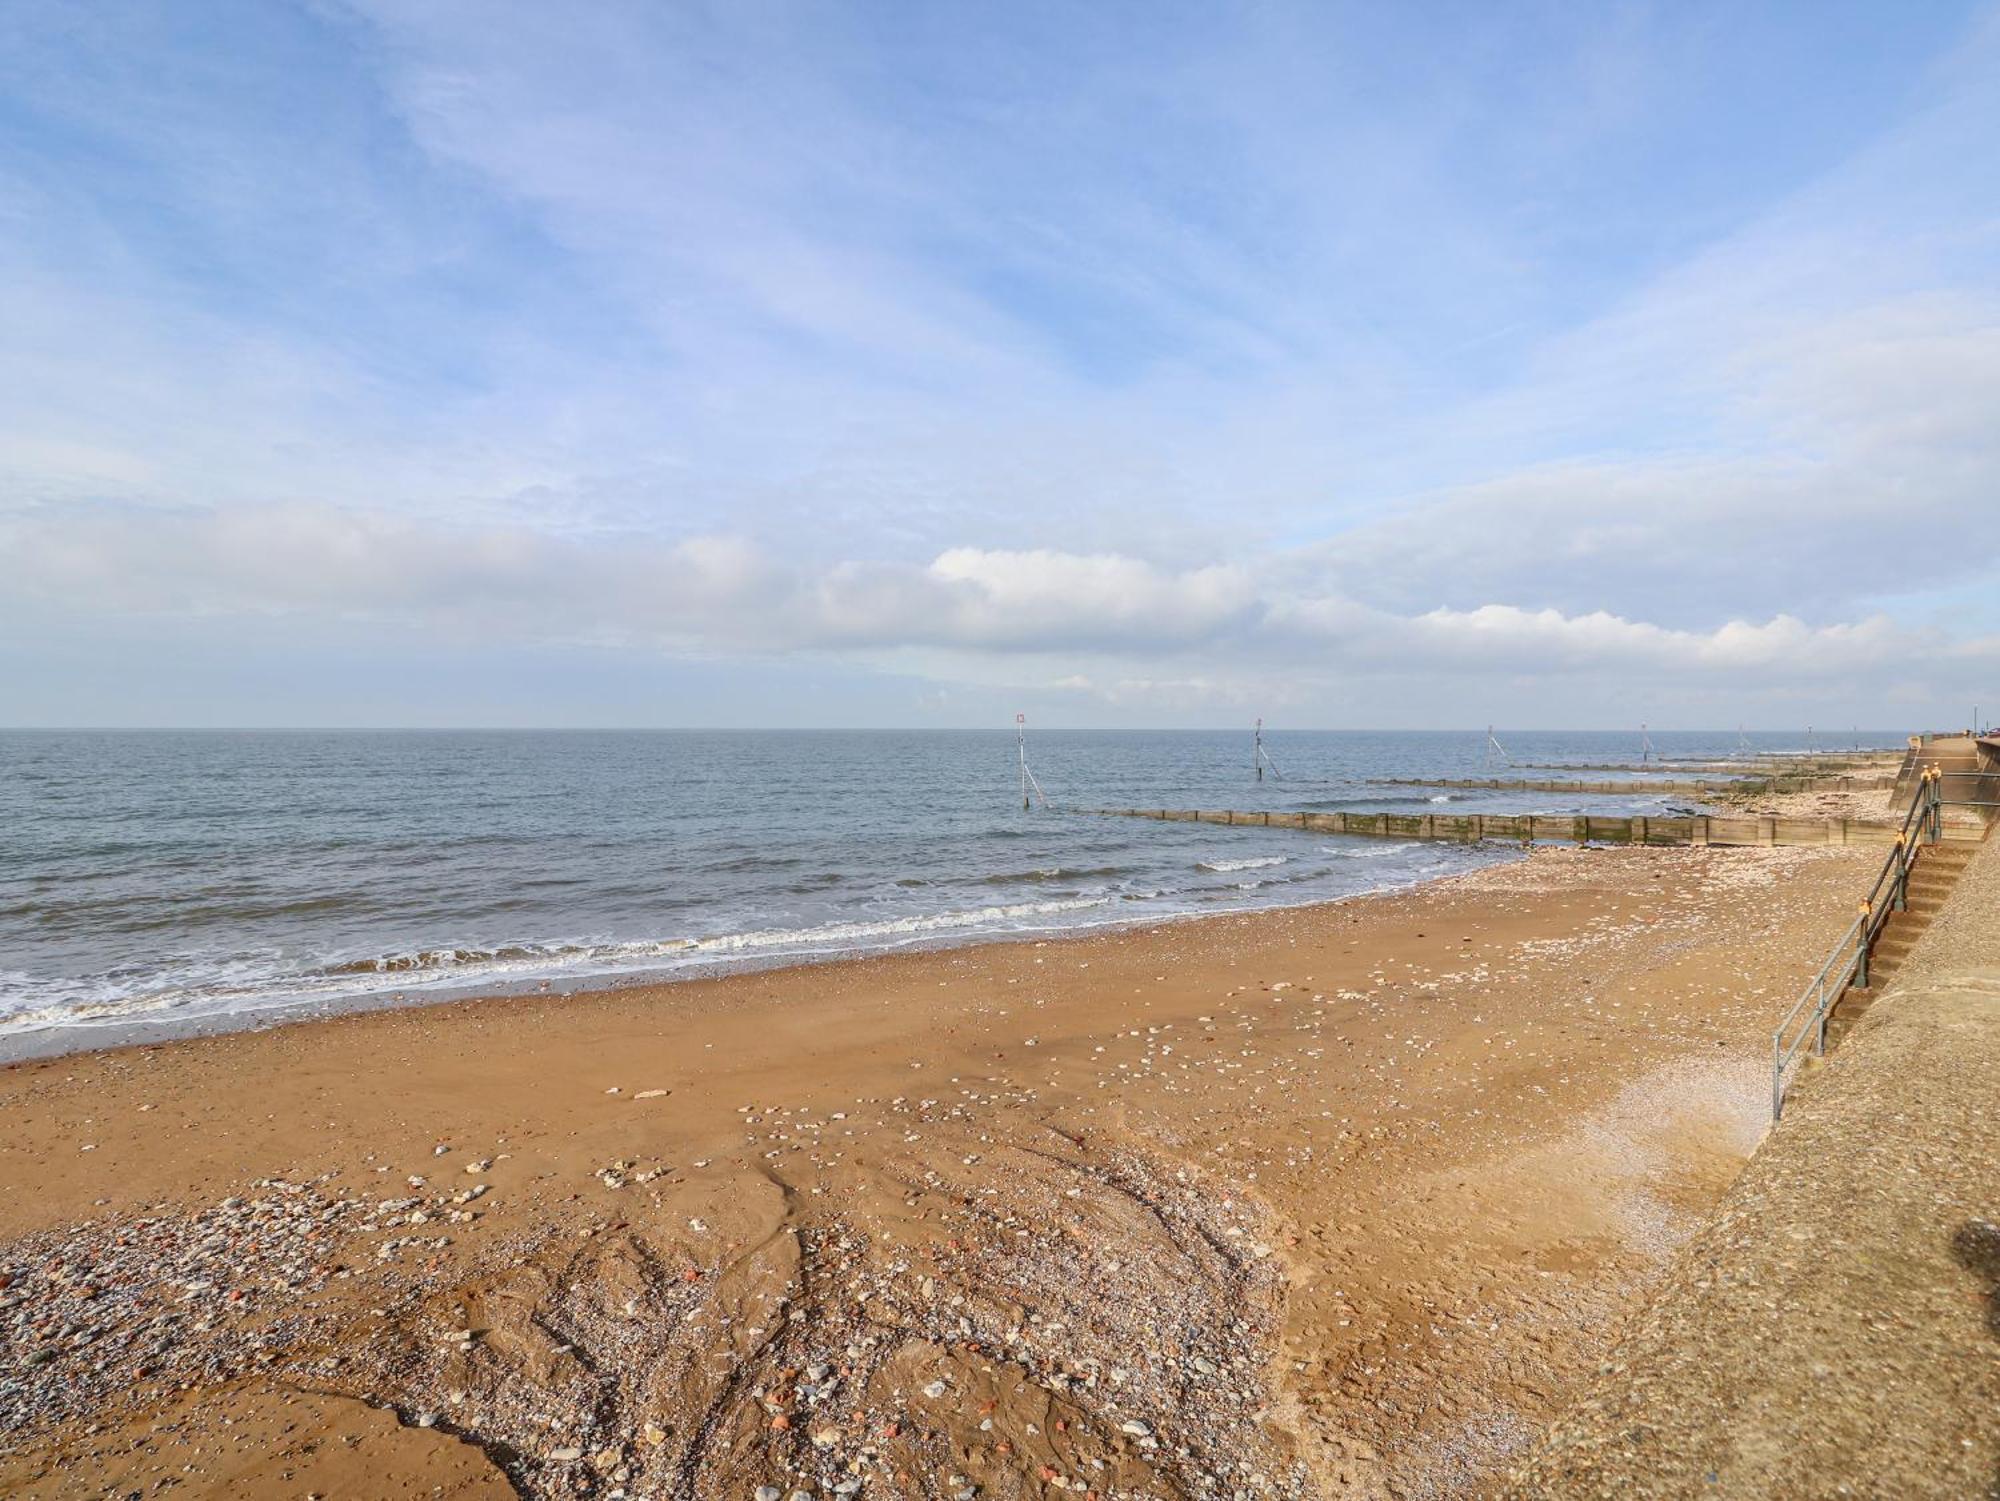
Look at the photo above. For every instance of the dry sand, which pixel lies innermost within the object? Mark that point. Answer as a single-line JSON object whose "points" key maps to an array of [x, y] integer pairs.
{"points": [[1343, 1200]]}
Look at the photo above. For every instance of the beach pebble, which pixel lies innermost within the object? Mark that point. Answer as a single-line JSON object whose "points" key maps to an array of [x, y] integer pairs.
{"points": [[651, 1094], [1136, 1428], [566, 1454], [935, 1390], [768, 1493]]}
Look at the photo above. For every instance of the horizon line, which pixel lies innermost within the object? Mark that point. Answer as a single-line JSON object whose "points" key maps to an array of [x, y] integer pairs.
{"points": [[1006, 727]]}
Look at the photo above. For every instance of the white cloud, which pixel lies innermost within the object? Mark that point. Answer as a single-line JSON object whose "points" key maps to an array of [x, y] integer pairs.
{"points": [[719, 596], [1138, 360]]}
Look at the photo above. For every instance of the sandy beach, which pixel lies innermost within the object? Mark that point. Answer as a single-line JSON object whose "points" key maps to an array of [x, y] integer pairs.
{"points": [[1337, 1200]]}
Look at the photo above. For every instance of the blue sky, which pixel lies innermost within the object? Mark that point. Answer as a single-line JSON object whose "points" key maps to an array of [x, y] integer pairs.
{"points": [[765, 364]]}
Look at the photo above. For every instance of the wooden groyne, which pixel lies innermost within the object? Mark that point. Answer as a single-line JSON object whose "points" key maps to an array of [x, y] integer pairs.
{"points": [[1734, 786], [1542, 828], [1775, 767]]}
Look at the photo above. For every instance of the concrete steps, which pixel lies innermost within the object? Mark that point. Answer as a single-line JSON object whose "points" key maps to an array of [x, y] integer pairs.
{"points": [[1930, 887]]}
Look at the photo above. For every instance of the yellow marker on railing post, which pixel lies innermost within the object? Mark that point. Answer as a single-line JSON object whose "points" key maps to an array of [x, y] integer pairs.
{"points": [[1861, 950]]}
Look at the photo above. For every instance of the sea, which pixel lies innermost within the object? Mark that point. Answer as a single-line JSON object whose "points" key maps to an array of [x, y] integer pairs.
{"points": [[157, 883]]}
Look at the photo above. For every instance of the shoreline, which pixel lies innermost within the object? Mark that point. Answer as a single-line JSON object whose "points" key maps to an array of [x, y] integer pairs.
{"points": [[62, 1040], [1347, 1194]]}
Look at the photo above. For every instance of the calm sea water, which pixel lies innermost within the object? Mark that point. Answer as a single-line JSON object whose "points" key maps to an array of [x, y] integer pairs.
{"points": [[165, 881]]}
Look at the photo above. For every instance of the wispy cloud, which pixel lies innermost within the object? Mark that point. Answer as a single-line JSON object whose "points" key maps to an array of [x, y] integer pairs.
{"points": [[1145, 358]]}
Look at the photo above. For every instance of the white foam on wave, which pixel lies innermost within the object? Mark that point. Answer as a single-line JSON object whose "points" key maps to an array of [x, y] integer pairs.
{"points": [[1373, 852], [1224, 867], [247, 984], [245, 987]]}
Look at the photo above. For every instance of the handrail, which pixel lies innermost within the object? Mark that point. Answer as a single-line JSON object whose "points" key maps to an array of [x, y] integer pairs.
{"points": [[1922, 827]]}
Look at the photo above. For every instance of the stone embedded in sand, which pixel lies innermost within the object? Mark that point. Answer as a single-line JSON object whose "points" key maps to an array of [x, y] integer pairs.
{"points": [[651, 1094], [1136, 1428], [768, 1493], [566, 1454], [935, 1390]]}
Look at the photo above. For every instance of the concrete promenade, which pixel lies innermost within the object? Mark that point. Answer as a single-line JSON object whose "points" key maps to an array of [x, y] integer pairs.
{"points": [[1835, 1329]]}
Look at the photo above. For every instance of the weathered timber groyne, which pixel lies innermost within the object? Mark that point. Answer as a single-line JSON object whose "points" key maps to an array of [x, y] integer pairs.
{"points": [[1732, 787], [1541, 828], [1790, 766]]}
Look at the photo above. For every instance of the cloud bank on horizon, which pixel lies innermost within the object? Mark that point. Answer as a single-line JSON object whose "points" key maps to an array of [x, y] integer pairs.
{"points": [[1353, 365]]}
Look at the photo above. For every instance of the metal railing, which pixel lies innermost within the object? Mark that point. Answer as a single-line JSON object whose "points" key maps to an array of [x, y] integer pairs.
{"points": [[1806, 1022], [1986, 781]]}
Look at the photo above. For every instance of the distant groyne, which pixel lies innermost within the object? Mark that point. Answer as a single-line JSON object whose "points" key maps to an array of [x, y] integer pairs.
{"points": [[1540, 828], [1731, 787]]}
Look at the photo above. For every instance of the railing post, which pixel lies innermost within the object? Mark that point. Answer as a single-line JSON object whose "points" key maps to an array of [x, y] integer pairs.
{"points": [[1861, 951], [1902, 872], [1777, 1077]]}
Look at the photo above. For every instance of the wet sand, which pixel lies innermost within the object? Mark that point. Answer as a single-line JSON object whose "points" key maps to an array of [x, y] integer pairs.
{"points": [[1341, 1200]]}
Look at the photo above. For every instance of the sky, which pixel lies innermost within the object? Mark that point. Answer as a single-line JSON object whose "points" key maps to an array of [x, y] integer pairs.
{"points": [[746, 364]]}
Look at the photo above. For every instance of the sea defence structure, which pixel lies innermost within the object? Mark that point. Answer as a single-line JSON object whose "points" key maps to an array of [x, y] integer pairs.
{"points": [[1546, 828], [1832, 1329], [1963, 764], [1835, 1327], [1746, 786], [1860, 763]]}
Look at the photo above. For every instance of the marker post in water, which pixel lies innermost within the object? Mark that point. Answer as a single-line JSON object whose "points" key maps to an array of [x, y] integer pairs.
{"points": [[1027, 776], [1261, 758]]}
